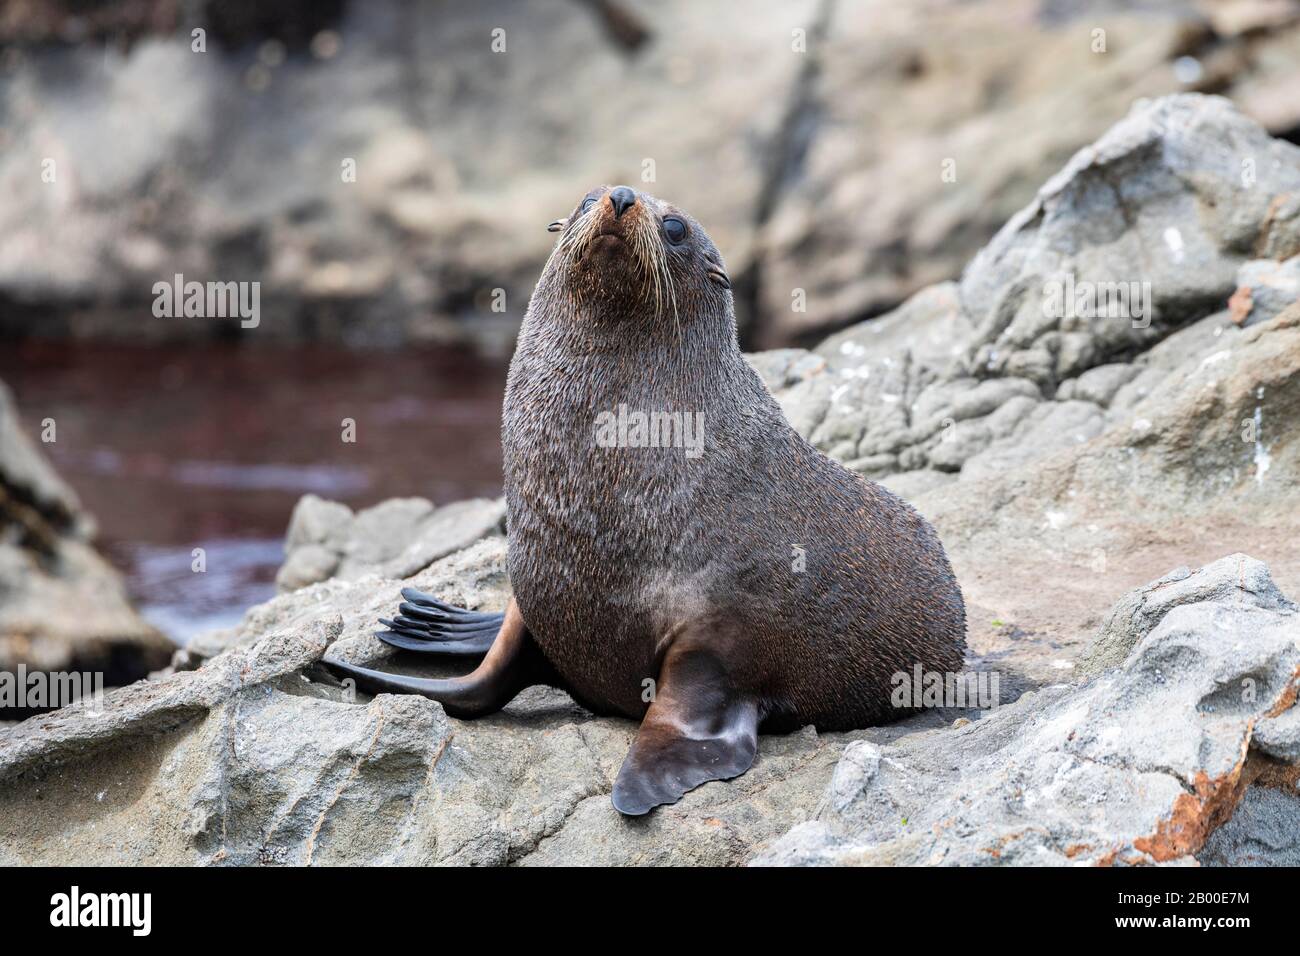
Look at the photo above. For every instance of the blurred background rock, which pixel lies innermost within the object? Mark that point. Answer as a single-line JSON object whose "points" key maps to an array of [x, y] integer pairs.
{"points": [[818, 170]]}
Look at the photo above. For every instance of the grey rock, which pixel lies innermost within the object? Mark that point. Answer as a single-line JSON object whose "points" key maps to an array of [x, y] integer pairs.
{"points": [[446, 531], [395, 256], [805, 386], [944, 382], [1139, 766], [306, 564], [379, 534], [870, 219], [1265, 288], [259, 757], [964, 398], [1098, 384], [911, 484], [959, 444], [1037, 432], [1235, 579], [152, 707], [1207, 456], [1162, 188], [930, 325], [317, 521], [396, 538], [1278, 735], [1136, 390], [782, 369], [475, 577], [30, 476], [1191, 344], [1262, 831]]}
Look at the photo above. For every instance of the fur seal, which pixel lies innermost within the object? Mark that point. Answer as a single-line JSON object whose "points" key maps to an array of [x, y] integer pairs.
{"points": [[705, 584]]}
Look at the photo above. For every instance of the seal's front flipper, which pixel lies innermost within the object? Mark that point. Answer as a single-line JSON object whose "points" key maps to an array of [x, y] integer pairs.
{"points": [[513, 662], [698, 729]]}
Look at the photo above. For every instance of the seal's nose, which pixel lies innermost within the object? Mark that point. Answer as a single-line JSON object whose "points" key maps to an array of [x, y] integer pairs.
{"points": [[622, 199]]}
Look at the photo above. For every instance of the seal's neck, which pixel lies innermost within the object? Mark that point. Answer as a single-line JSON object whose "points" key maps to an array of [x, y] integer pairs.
{"points": [[686, 331]]}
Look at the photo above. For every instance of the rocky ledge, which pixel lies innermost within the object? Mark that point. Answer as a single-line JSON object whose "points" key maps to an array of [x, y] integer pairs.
{"points": [[1188, 750], [1145, 715]]}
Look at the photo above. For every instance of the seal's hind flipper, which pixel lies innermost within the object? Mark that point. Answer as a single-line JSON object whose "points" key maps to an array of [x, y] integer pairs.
{"points": [[513, 662], [469, 645], [429, 601], [428, 626], [696, 730]]}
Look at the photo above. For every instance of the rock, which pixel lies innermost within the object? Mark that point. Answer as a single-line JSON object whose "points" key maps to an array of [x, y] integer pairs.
{"points": [[930, 325], [982, 378], [1207, 463], [1098, 384], [380, 533], [1180, 208], [798, 380], [1249, 16], [1140, 766], [396, 538], [1219, 427], [782, 369], [1236, 579], [306, 565], [474, 577], [1046, 428], [862, 165], [964, 126], [152, 707], [317, 521], [449, 529], [1262, 831], [62, 607], [259, 757], [1265, 288], [382, 225], [1278, 735]]}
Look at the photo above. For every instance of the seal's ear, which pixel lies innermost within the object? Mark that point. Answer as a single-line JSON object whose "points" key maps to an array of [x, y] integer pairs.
{"points": [[718, 277], [557, 225], [698, 729]]}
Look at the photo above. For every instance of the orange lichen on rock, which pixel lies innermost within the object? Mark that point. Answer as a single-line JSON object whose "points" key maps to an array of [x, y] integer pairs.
{"points": [[1195, 816], [1240, 304], [1288, 698]]}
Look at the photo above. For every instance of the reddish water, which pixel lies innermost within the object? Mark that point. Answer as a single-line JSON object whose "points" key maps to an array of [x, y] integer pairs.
{"points": [[182, 447]]}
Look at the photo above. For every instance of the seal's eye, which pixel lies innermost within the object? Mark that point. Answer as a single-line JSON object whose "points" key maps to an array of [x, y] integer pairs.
{"points": [[587, 204], [675, 230]]}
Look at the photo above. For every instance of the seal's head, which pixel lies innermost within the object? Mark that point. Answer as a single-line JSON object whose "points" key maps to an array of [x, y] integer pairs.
{"points": [[631, 255]]}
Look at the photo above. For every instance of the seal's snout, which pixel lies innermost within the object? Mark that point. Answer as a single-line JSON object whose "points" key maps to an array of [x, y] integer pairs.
{"points": [[622, 199]]}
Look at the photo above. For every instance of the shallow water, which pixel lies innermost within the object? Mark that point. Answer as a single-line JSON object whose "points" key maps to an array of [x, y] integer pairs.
{"points": [[175, 448]]}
